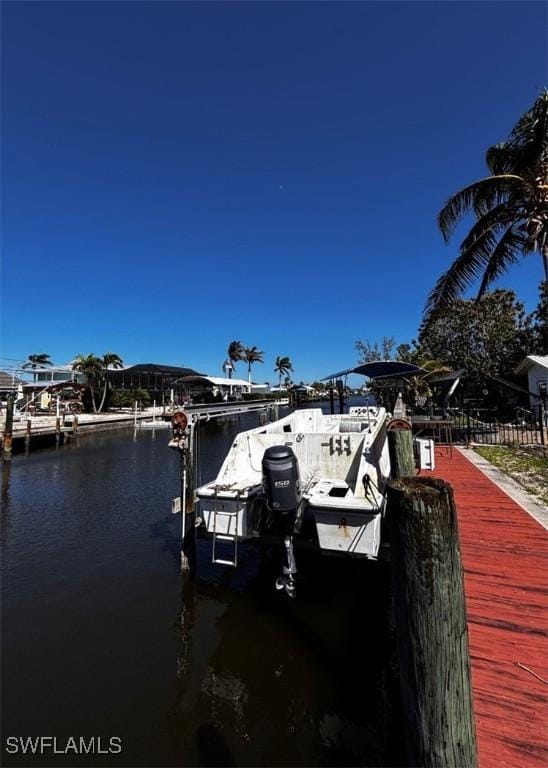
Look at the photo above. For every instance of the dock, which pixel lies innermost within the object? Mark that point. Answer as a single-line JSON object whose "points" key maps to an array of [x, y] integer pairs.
{"points": [[505, 557], [44, 427]]}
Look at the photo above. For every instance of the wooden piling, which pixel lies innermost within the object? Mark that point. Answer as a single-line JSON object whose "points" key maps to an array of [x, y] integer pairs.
{"points": [[75, 425], [432, 634], [28, 432], [8, 428], [188, 503], [400, 447]]}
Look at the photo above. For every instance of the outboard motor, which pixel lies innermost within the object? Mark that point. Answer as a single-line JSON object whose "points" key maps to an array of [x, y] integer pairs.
{"points": [[282, 489]]}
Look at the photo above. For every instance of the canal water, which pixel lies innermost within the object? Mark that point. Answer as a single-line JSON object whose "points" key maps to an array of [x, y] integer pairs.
{"points": [[102, 638]]}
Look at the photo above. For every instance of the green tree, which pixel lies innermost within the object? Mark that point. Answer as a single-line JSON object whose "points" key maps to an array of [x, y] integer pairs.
{"points": [[251, 355], [125, 398], [235, 353], [91, 367], [511, 210], [487, 337], [34, 361], [282, 367], [109, 360]]}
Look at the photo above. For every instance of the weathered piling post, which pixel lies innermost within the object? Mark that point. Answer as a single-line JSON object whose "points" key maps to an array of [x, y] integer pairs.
{"points": [[28, 432], [188, 552], [340, 392], [183, 441], [57, 423], [8, 427], [432, 634], [400, 447], [75, 425]]}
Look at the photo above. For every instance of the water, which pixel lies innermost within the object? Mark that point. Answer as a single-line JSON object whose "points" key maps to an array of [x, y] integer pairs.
{"points": [[100, 636]]}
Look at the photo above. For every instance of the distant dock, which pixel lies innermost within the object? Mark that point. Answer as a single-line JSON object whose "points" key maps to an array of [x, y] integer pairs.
{"points": [[43, 430]]}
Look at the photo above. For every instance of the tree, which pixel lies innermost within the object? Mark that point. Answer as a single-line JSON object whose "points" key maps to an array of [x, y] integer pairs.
{"points": [[369, 353], [34, 361], [251, 355], [91, 367], [487, 337], [282, 367], [112, 360], [511, 210], [234, 354], [539, 342]]}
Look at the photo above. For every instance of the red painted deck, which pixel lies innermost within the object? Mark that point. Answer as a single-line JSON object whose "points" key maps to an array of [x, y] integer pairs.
{"points": [[505, 557]]}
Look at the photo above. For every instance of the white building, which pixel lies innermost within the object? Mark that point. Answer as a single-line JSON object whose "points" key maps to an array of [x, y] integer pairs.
{"points": [[54, 374], [536, 369]]}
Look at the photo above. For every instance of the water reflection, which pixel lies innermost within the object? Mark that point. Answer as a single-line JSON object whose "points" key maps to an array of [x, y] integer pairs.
{"points": [[6, 474], [275, 682]]}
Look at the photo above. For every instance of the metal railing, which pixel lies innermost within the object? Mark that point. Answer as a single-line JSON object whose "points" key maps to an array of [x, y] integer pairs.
{"points": [[481, 425]]}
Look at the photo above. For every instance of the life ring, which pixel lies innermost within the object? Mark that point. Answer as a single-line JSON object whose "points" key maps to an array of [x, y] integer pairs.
{"points": [[398, 424]]}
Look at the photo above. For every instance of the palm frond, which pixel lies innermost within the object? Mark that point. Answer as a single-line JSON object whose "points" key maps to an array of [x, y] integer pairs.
{"points": [[480, 195], [495, 220], [507, 252], [529, 136], [501, 159], [466, 268]]}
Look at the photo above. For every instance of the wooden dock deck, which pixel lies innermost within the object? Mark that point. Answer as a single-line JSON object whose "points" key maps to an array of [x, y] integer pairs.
{"points": [[505, 557]]}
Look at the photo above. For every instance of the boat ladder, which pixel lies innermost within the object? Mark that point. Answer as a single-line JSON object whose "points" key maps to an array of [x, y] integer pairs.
{"points": [[225, 537]]}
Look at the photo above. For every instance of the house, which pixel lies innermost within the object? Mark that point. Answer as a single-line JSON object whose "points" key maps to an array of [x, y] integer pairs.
{"points": [[535, 367], [44, 375], [9, 382], [203, 388]]}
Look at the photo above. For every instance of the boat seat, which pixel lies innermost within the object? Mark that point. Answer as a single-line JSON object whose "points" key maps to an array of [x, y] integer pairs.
{"points": [[352, 426]]}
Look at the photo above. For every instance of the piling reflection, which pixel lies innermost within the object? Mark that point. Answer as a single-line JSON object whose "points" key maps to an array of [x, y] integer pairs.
{"points": [[6, 474]]}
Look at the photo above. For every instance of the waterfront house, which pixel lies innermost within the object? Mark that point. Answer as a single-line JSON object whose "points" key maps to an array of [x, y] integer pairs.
{"points": [[535, 367]]}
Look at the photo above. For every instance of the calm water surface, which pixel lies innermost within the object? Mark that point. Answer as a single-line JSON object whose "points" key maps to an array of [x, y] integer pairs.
{"points": [[100, 636]]}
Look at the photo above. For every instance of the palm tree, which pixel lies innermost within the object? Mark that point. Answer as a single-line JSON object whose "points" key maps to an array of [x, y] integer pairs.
{"points": [[282, 367], [252, 355], [234, 354], [91, 367], [419, 386], [510, 206], [112, 360], [35, 360]]}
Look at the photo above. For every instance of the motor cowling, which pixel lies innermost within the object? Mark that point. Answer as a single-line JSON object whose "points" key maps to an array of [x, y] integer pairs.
{"points": [[282, 491], [281, 481]]}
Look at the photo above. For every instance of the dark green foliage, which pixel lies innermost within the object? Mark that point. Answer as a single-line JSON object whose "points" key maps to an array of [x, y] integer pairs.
{"points": [[125, 398], [539, 343], [486, 337], [282, 367]]}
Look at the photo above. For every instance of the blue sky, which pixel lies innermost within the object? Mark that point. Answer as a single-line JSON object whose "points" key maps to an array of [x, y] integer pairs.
{"points": [[179, 175]]}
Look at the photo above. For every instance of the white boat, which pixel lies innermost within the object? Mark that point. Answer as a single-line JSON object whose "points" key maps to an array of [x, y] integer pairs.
{"points": [[335, 479], [308, 475]]}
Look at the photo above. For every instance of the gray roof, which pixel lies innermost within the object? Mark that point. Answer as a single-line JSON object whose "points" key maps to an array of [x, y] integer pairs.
{"points": [[530, 361], [8, 381]]}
